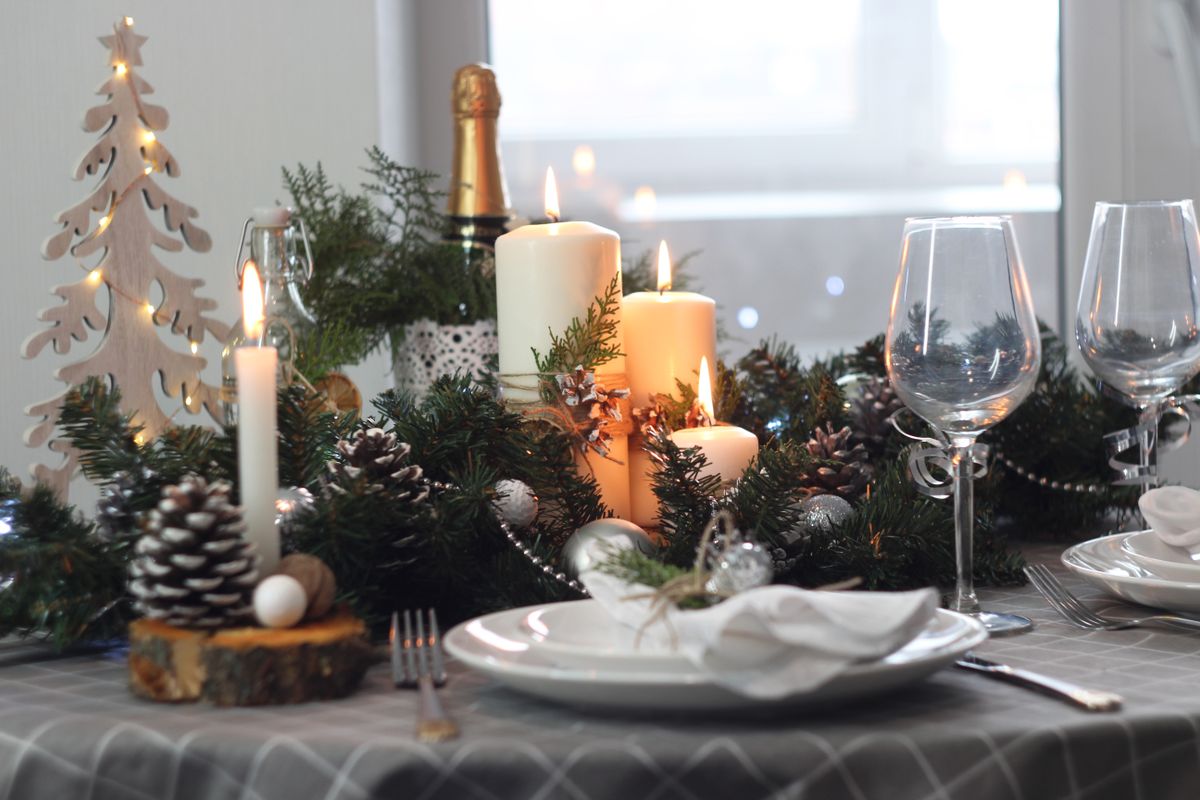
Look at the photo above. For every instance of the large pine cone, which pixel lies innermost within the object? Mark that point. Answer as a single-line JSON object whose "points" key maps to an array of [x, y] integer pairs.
{"points": [[838, 468], [871, 411], [373, 461], [194, 567]]}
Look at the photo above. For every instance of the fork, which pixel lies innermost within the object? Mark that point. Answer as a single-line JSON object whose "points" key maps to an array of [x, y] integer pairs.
{"points": [[1079, 615], [417, 661]]}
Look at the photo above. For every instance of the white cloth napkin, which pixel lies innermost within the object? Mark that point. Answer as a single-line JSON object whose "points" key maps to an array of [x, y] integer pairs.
{"points": [[1173, 512], [775, 640]]}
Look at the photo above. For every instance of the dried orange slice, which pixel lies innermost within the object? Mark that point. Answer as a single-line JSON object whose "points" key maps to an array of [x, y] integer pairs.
{"points": [[341, 391]]}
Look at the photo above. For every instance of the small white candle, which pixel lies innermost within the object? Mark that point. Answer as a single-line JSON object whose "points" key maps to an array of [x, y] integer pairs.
{"points": [[728, 448], [546, 276], [258, 457], [666, 335]]}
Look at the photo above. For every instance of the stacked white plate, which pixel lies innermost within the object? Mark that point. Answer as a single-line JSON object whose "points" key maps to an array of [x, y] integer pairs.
{"points": [[1139, 567], [576, 653]]}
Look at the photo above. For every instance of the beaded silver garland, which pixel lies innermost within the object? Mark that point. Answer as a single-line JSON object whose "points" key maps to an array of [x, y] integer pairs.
{"points": [[1067, 486], [515, 541]]}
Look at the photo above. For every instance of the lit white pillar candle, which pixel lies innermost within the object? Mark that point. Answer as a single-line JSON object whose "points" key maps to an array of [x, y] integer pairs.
{"points": [[728, 448], [666, 335], [258, 458], [546, 276]]}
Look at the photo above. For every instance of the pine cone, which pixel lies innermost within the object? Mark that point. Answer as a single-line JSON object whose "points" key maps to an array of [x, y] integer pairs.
{"points": [[372, 461], [838, 468], [115, 516], [193, 567], [871, 411]]}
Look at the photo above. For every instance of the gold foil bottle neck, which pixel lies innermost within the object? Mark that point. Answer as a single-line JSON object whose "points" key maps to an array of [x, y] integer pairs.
{"points": [[477, 187], [475, 93]]}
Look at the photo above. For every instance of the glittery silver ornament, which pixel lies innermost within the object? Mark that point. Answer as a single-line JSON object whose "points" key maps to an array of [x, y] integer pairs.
{"points": [[291, 502], [515, 502], [742, 565], [591, 544], [823, 512]]}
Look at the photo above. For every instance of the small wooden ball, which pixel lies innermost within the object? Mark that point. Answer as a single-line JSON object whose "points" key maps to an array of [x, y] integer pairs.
{"points": [[279, 601], [316, 578]]}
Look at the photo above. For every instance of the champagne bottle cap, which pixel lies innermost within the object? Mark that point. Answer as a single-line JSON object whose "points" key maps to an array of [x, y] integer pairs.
{"points": [[475, 93]]}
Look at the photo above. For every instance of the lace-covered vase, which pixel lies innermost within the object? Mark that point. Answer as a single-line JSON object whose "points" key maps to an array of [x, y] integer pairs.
{"points": [[430, 350]]}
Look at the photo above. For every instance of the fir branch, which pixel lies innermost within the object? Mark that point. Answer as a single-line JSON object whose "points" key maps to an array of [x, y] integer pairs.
{"points": [[590, 342], [631, 565], [308, 435], [67, 584]]}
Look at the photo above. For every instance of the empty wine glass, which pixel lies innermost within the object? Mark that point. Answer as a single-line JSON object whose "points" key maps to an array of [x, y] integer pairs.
{"points": [[963, 352], [1138, 305]]}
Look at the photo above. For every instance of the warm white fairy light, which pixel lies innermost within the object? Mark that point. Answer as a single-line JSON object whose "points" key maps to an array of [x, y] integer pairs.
{"points": [[104, 223], [129, 22], [94, 276], [148, 169], [121, 69], [195, 346], [148, 136]]}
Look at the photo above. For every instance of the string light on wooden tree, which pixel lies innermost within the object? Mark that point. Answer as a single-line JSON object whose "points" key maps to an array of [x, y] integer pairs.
{"points": [[127, 157]]}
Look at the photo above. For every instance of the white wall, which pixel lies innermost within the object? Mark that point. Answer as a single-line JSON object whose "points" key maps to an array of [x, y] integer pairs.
{"points": [[250, 86]]}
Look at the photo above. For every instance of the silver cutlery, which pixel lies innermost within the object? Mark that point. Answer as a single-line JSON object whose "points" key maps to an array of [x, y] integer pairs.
{"points": [[417, 661], [1079, 615], [1087, 699]]}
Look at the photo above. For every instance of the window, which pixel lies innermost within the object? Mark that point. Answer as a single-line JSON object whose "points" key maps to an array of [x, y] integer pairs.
{"points": [[786, 139]]}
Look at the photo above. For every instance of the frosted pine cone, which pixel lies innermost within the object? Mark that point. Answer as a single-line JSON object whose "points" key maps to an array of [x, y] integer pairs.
{"points": [[371, 461], [193, 567]]}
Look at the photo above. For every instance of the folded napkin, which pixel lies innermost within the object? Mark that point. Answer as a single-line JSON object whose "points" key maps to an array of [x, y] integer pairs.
{"points": [[1173, 512], [775, 640]]}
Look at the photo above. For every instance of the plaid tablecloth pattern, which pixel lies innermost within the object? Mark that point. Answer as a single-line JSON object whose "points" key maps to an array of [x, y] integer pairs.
{"points": [[70, 729]]}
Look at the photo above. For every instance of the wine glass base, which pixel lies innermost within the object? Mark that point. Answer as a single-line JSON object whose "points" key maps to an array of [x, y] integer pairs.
{"points": [[1003, 624]]}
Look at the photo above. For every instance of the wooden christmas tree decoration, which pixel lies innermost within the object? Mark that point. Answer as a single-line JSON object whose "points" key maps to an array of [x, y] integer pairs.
{"points": [[113, 223]]}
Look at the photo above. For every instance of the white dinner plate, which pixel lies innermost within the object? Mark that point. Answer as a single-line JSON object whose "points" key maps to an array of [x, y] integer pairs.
{"points": [[501, 646], [1175, 563], [582, 634], [1105, 563]]}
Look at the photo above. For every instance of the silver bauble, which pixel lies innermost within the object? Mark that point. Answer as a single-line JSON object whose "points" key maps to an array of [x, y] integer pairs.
{"points": [[291, 502], [591, 544], [515, 502], [743, 565], [823, 512]]}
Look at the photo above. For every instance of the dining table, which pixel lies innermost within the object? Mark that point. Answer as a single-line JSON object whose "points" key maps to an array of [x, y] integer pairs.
{"points": [[69, 728]]}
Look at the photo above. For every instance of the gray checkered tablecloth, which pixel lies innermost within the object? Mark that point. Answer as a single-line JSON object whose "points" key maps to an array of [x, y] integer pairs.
{"points": [[69, 729]]}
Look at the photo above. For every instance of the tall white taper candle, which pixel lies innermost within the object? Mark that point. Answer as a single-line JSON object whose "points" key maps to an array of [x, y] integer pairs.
{"points": [[258, 456]]}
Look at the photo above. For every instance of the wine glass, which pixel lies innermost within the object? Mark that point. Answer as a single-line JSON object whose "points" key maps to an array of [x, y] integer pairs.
{"points": [[1138, 306], [963, 351]]}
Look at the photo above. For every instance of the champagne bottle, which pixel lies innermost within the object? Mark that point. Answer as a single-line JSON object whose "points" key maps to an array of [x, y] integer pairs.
{"points": [[478, 203]]}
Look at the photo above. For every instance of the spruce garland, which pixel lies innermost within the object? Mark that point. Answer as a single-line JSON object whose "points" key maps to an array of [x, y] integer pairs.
{"points": [[68, 583]]}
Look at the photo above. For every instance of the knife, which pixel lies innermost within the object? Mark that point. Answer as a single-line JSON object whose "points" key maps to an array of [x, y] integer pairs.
{"points": [[1087, 699]]}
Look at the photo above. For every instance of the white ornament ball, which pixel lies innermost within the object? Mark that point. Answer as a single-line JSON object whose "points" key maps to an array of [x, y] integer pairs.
{"points": [[823, 512], [592, 544], [515, 502], [279, 601]]}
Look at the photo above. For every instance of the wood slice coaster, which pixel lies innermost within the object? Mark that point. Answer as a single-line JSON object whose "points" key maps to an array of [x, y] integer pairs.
{"points": [[319, 660]]}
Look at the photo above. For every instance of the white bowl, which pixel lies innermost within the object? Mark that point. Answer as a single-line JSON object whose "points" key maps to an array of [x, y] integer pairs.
{"points": [[1164, 560]]}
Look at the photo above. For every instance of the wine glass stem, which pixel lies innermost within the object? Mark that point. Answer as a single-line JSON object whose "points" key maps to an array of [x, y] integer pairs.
{"points": [[964, 600], [1147, 445]]}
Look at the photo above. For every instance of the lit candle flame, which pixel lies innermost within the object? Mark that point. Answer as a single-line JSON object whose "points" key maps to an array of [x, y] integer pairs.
{"points": [[664, 267], [252, 302], [704, 391], [551, 196]]}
